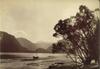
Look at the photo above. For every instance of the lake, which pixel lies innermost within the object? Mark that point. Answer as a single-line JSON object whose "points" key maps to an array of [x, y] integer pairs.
{"points": [[20, 62]]}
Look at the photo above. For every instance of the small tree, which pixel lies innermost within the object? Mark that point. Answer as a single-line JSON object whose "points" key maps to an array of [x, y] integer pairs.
{"points": [[81, 31]]}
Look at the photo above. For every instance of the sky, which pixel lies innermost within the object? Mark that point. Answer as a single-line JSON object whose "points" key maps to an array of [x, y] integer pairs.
{"points": [[35, 19]]}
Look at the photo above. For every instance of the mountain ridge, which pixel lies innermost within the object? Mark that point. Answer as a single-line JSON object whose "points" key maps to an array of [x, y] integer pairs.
{"points": [[9, 43]]}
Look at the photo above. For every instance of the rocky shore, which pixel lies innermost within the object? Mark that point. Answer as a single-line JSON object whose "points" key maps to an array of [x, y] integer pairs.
{"points": [[72, 66]]}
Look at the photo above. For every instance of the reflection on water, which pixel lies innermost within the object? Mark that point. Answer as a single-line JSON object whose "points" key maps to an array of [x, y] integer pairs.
{"points": [[45, 59]]}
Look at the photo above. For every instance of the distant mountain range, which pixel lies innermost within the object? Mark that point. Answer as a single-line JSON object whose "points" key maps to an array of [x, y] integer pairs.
{"points": [[27, 44], [43, 45], [9, 43]]}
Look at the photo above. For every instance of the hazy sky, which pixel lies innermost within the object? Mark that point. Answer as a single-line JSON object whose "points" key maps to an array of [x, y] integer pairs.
{"points": [[35, 19]]}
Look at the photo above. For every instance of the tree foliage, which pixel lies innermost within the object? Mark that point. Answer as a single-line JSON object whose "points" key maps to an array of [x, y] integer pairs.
{"points": [[61, 46], [82, 31]]}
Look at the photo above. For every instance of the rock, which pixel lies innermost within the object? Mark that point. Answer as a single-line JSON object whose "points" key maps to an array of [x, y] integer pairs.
{"points": [[35, 57]]}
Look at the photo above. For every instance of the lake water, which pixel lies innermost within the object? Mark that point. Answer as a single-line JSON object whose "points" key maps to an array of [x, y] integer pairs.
{"points": [[41, 55], [44, 61]]}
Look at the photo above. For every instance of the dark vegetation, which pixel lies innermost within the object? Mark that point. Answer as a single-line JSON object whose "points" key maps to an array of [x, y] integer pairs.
{"points": [[82, 33]]}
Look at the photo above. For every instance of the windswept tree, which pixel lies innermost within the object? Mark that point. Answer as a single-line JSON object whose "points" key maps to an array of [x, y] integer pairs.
{"points": [[61, 46], [82, 31]]}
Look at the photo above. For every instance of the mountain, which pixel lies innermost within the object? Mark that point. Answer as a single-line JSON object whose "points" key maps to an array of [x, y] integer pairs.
{"points": [[43, 45], [39, 47], [41, 50], [27, 44], [9, 43], [49, 49]]}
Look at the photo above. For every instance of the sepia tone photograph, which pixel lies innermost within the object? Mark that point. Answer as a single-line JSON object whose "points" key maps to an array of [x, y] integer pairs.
{"points": [[49, 34]]}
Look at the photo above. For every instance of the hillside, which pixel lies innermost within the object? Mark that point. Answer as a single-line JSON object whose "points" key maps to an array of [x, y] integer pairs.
{"points": [[27, 44], [9, 43]]}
